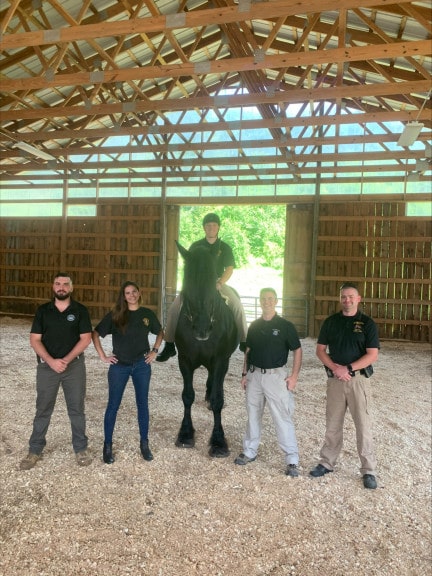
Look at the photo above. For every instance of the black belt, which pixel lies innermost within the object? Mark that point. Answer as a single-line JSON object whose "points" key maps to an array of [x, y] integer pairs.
{"points": [[366, 372], [40, 361], [264, 370], [133, 362], [330, 373]]}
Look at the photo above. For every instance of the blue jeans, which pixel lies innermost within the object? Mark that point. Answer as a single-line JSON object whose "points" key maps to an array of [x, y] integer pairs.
{"points": [[118, 376]]}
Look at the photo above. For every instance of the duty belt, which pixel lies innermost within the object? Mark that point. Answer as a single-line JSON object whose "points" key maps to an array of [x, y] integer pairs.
{"points": [[366, 372], [264, 370]]}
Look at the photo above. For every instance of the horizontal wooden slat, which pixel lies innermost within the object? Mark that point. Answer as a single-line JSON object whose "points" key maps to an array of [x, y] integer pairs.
{"points": [[371, 240], [393, 322], [372, 279]]}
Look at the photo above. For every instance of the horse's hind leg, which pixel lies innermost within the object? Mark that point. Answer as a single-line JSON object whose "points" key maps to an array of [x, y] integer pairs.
{"points": [[186, 435]]}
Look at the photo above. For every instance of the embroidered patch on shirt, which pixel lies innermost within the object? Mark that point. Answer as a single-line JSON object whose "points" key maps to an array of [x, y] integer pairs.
{"points": [[275, 332], [70, 317], [146, 321], [358, 327]]}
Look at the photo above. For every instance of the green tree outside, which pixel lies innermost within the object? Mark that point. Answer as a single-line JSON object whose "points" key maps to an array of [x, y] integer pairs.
{"points": [[254, 232]]}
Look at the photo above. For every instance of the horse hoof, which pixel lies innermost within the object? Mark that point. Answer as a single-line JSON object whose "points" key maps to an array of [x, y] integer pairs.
{"points": [[185, 444], [216, 452]]}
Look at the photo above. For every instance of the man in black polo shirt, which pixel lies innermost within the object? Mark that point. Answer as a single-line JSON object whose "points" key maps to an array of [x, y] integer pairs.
{"points": [[60, 333], [267, 380], [348, 345]]}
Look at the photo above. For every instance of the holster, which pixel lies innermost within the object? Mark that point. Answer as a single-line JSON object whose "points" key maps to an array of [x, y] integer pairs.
{"points": [[368, 371]]}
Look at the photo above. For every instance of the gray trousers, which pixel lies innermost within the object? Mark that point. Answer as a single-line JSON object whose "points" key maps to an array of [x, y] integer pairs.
{"points": [[73, 381], [233, 302], [270, 388]]}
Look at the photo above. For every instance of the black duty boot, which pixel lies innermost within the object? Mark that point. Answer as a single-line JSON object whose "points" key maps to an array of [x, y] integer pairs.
{"points": [[107, 454], [145, 450], [167, 352]]}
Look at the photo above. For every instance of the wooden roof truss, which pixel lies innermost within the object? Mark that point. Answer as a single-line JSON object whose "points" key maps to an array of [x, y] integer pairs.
{"points": [[228, 90]]}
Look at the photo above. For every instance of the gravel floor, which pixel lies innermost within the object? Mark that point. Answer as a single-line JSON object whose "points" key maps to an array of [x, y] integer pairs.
{"points": [[184, 514]]}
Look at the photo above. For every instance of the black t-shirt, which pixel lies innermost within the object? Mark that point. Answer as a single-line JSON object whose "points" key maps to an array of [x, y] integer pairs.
{"points": [[270, 342], [61, 330], [221, 251], [347, 337], [130, 345]]}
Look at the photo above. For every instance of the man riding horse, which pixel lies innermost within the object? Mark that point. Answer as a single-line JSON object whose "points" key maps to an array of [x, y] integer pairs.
{"points": [[225, 264], [206, 335]]}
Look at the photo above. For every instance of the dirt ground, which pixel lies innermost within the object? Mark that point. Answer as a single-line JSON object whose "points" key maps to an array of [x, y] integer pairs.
{"points": [[184, 514]]}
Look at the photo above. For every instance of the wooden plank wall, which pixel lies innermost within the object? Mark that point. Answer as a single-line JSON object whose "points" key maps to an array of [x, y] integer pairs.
{"points": [[373, 243], [122, 243], [388, 254], [297, 265]]}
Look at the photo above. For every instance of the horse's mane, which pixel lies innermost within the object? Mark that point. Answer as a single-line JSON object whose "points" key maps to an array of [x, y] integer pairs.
{"points": [[199, 280]]}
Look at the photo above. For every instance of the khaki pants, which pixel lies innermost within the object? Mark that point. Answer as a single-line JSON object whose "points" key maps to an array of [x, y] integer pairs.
{"points": [[355, 396]]}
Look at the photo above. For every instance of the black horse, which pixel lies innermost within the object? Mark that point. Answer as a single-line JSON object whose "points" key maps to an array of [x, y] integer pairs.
{"points": [[206, 335]]}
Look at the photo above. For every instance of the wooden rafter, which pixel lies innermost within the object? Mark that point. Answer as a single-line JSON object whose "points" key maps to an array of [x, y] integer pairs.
{"points": [[70, 79]]}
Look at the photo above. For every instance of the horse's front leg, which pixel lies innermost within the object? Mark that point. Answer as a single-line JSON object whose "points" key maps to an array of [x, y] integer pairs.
{"points": [[186, 435], [218, 444]]}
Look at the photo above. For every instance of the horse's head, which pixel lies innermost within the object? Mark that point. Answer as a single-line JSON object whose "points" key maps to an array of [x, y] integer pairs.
{"points": [[199, 290]]}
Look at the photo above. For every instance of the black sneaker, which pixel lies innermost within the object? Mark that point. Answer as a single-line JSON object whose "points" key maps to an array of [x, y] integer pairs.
{"points": [[242, 459], [292, 470], [168, 352], [319, 470], [369, 481]]}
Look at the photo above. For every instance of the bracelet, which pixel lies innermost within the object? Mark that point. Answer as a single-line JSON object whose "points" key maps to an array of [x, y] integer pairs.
{"points": [[244, 373], [155, 350], [350, 368]]}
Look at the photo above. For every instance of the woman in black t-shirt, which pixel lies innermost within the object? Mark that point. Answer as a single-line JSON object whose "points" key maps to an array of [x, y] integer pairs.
{"points": [[130, 324]]}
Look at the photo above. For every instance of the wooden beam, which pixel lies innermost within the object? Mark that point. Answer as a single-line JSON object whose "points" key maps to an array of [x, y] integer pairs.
{"points": [[315, 57], [152, 148], [289, 96], [98, 133], [9, 15], [236, 13], [192, 163]]}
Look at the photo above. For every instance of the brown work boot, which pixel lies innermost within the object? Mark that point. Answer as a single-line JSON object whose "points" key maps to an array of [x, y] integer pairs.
{"points": [[83, 458], [30, 461]]}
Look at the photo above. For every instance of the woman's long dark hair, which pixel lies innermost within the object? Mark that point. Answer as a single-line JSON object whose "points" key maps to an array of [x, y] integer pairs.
{"points": [[120, 313]]}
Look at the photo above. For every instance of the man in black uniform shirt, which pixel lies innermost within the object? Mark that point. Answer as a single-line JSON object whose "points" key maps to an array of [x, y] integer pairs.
{"points": [[225, 265], [348, 345], [267, 381], [60, 333]]}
